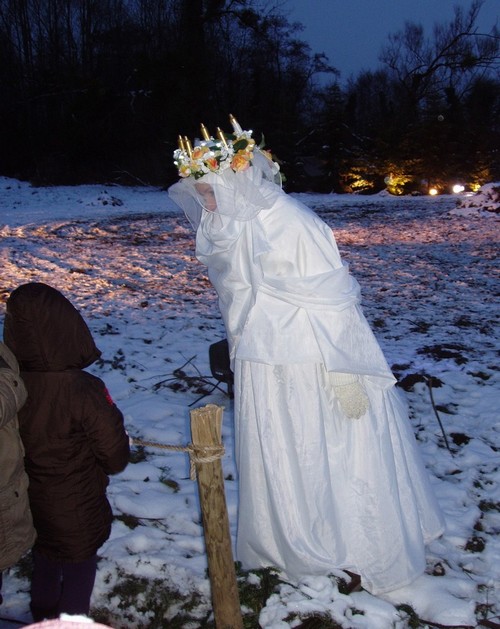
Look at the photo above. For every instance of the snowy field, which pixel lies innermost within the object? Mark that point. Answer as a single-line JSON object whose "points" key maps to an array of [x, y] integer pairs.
{"points": [[124, 257]]}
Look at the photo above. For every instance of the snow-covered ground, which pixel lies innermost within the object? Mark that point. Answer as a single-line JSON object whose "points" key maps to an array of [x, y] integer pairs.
{"points": [[124, 257]]}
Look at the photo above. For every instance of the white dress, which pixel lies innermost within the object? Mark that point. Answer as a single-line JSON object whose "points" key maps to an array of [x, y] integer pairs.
{"points": [[317, 491]]}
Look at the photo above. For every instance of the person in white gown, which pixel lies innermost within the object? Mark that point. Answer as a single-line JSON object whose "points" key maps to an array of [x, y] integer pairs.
{"points": [[330, 477]]}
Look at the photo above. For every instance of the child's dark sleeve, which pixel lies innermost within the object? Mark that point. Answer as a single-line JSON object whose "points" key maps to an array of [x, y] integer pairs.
{"points": [[103, 424]]}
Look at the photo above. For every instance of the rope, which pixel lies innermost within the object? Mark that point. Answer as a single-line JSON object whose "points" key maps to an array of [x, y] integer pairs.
{"points": [[197, 454]]}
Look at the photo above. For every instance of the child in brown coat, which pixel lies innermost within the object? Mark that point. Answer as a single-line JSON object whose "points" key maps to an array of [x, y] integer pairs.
{"points": [[74, 438]]}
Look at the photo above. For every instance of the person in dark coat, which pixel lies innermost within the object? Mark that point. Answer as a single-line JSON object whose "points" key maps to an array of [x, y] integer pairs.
{"points": [[74, 437]]}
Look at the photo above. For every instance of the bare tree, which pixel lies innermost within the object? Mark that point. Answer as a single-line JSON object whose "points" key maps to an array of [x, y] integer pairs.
{"points": [[16, 25], [453, 58]]}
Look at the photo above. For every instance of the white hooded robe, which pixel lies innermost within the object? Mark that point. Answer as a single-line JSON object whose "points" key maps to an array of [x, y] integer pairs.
{"points": [[317, 491]]}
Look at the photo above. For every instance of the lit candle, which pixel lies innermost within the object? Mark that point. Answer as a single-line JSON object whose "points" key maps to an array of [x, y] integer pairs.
{"points": [[220, 135], [181, 143], [236, 126], [204, 132], [189, 148]]}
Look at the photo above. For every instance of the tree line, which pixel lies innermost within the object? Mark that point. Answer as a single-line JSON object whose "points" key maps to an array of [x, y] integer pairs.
{"points": [[98, 91]]}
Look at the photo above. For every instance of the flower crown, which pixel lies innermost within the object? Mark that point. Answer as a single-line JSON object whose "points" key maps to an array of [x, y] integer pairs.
{"points": [[210, 155]]}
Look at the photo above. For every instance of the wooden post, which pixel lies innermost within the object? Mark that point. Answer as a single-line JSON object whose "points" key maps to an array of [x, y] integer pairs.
{"points": [[206, 430]]}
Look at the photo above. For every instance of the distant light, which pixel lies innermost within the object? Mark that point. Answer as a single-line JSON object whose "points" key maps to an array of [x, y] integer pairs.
{"points": [[457, 188], [433, 191]]}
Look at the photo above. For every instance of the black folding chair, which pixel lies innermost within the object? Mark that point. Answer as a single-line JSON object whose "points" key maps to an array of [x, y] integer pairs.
{"points": [[220, 367]]}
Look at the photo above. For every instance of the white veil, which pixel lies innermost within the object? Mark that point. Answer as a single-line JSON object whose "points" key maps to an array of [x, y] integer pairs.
{"points": [[238, 195]]}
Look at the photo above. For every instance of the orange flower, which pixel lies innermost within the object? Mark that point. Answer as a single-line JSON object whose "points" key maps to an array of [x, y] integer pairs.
{"points": [[184, 170], [198, 152], [212, 164], [240, 162]]}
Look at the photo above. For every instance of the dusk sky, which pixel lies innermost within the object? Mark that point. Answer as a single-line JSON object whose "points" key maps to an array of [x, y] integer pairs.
{"points": [[352, 32]]}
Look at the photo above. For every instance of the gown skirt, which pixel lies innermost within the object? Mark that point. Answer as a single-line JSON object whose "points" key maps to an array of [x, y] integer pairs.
{"points": [[320, 491]]}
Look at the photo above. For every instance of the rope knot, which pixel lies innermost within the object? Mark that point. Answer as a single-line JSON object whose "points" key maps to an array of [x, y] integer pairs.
{"points": [[203, 454], [197, 454]]}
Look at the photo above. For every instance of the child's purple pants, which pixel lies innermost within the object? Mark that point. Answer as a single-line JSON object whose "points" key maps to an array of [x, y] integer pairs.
{"points": [[59, 587]]}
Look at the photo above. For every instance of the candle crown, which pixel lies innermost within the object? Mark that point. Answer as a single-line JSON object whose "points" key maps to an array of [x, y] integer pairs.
{"points": [[215, 154]]}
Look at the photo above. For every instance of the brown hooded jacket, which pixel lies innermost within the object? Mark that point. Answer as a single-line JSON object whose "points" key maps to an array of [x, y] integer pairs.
{"points": [[72, 431]]}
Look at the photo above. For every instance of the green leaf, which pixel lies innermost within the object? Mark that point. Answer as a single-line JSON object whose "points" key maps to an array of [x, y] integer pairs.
{"points": [[240, 145]]}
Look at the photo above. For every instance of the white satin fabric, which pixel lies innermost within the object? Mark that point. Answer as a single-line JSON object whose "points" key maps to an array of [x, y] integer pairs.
{"points": [[318, 491]]}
